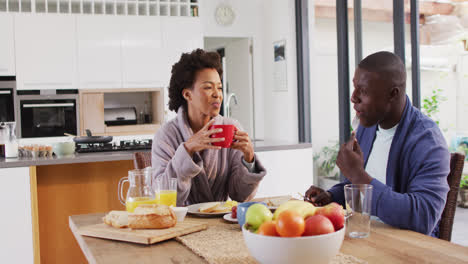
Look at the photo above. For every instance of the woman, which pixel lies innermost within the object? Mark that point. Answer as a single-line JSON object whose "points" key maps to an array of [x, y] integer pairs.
{"points": [[182, 148]]}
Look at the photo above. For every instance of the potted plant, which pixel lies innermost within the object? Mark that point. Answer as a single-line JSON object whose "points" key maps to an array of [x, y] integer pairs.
{"points": [[325, 164], [464, 191]]}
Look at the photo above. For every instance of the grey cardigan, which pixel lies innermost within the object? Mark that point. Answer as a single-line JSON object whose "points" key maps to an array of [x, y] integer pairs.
{"points": [[209, 175]]}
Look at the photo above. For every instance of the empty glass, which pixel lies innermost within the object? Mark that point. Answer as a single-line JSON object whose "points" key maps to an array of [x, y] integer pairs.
{"points": [[166, 190], [358, 199]]}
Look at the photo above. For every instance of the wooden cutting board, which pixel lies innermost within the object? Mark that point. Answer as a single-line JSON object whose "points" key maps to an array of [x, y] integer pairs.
{"points": [[141, 236]]}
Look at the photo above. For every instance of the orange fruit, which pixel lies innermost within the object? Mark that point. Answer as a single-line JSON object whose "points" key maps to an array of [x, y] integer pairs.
{"points": [[290, 224], [268, 228]]}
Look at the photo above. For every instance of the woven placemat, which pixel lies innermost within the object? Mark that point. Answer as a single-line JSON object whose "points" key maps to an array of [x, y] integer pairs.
{"points": [[223, 243]]}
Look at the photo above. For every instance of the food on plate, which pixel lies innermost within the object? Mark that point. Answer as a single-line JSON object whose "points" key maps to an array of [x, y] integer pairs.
{"points": [[118, 219], [234, 212], [217, 207], [277, 201], [295, 218], [318, 225], [290, 224], [335, 213], [303, 208], [268, 228], [152, 216], [256, 215]]}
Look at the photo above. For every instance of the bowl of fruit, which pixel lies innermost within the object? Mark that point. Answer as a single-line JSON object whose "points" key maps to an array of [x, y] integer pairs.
{"points": [[298, 232]]}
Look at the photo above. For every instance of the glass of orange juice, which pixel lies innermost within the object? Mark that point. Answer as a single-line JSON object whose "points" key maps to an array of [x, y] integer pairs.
{"points": [[166, 190]]}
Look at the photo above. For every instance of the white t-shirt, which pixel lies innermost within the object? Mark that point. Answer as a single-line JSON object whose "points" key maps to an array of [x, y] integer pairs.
{"points": [[377, 162]]}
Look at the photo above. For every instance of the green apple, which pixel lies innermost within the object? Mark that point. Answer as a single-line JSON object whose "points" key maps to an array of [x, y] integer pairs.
{"points": [[256, 215]]}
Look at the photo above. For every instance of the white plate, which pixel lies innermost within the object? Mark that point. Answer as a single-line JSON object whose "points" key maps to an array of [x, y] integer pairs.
{"points": [[193, 210], [229, 218]]}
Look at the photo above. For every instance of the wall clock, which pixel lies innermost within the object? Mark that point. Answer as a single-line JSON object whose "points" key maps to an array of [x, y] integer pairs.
{"points": [[224, 15]]}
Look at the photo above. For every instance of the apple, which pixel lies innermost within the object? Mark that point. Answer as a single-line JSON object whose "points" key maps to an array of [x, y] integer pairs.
{"points": [[334, 212], [256, 215], [234, 212], [318, 225]]}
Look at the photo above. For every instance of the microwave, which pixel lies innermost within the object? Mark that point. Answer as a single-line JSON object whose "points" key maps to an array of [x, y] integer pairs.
{"points": [[50, 114], [7, 99]]}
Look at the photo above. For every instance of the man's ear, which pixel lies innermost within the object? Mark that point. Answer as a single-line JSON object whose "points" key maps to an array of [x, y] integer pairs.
{"points": [[394, 93], [187, 94]]}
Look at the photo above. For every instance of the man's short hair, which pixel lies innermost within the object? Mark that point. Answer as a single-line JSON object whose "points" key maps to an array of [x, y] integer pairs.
{"points": [[388, 66]]}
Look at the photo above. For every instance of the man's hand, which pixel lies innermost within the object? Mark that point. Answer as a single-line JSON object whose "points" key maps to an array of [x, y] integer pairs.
{"points": [[317, 196], [350, 160], [201, 140]]}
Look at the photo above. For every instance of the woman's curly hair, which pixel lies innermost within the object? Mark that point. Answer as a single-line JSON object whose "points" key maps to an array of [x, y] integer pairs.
{"points": [[184, 72]]}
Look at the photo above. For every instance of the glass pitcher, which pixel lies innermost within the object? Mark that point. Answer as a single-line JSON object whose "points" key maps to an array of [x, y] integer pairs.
{"points": [[140, 190]]}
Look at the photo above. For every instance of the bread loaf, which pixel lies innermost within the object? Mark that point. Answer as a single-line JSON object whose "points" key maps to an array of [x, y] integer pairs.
{"points": [[152, 216], [117, 219]]}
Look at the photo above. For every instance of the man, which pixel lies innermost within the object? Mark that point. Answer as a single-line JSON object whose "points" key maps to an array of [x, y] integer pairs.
{"points": [[397, 149]]}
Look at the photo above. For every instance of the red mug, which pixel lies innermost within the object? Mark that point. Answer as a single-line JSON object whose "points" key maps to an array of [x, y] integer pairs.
{"points": [[228, 134]]}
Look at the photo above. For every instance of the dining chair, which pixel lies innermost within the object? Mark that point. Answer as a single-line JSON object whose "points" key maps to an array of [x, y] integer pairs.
{"points": [[142, 160], [457, 161]]}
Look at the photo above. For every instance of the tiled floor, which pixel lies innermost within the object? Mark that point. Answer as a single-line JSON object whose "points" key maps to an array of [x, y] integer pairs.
{"points": [[460, 227]]}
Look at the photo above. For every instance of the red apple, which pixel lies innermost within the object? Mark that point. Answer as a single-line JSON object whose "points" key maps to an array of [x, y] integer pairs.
{"points": [[318, 225], [335, 213]]}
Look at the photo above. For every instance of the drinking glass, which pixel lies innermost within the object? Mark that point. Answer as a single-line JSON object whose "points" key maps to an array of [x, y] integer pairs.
{"points": [[166, 190], [358, 199]]}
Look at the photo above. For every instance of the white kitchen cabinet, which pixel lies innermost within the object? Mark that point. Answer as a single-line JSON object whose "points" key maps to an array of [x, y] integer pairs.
{"points": [[16, 239], [45, 51], [180, 34], [99, 51], [7, 45], [141, 52]]}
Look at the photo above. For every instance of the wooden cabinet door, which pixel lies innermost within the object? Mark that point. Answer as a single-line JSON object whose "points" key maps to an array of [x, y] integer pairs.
{"points": [[141, 52], [45, 51], [92, 113], [99, 48], [7, 48]]}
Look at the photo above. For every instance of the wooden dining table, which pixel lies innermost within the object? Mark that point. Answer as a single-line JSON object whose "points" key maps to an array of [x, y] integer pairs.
{"points": [[385, 244]]}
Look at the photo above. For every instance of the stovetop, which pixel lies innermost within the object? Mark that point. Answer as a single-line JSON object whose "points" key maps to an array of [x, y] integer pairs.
{"points": [[116, 146]]}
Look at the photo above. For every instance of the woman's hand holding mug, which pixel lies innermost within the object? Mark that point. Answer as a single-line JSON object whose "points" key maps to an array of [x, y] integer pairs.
{"points": [[244, 144], [202, 140]]}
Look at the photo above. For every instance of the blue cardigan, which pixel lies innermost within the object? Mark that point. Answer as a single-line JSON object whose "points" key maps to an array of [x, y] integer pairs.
{"points": [[418, 164]]}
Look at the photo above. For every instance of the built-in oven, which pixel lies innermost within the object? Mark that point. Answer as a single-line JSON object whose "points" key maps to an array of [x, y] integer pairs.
{"points": [[48, 113], [7, 99]]}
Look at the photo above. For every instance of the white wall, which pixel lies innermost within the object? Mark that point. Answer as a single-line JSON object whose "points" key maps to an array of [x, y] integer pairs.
{"points": [[265, 22], [281, 118], [289, 172]]}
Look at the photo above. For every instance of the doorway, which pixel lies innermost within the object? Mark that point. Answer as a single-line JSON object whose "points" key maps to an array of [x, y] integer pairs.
{"points": [[236, 55]]}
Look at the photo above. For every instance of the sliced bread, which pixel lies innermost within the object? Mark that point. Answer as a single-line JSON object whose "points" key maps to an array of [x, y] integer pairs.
{"points": [[118, 219]]}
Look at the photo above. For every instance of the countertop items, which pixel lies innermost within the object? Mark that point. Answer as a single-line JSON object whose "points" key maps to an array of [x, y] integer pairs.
{"points": [[259, 146]]}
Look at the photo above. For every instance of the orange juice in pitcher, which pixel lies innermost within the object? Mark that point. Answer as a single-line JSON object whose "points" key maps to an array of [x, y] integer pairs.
{"points": [[140, 190], [134, 202]]}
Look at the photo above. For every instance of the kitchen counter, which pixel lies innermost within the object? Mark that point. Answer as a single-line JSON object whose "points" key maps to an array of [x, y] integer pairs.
{"points": [[259, 146]]}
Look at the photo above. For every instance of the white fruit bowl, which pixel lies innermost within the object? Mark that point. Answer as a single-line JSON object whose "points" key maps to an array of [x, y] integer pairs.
{"points": [[307, 249]]}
